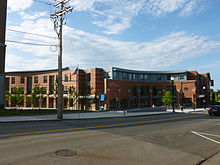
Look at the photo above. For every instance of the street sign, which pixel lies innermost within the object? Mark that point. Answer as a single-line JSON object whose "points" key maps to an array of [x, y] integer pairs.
{"points": [[102, 97]]}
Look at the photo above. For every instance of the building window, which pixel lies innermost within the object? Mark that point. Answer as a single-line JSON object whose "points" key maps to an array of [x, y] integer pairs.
{"points": [[12, 90], [133, 76], [124, 76], [181, 77], [142, 77], [88, 76], [185, 89], [22, 90], [130, 76], [114, 75], [13, 80], [145, 77], [35, 79], [22, 80], [66, 77], [45, 79], [44, 90], [159, 77], [65, 90]]}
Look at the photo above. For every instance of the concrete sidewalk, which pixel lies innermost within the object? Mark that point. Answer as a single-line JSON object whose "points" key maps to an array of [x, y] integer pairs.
{"points": [[85, 115], [190, 110], [96, 115]]}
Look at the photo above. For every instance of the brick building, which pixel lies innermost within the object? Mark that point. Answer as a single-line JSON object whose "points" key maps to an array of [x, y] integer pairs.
{"points": [[115, 88]]}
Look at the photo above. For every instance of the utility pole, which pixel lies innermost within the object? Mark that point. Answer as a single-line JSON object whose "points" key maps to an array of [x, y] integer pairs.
{"points": [[58, 18], [3, 13]]}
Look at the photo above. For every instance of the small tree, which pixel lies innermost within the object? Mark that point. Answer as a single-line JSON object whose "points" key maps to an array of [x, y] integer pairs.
{"points": [[36, 94], [17, 98], [7, 98], [72, 96], [33, 99], [85, 93], [167, 98]]}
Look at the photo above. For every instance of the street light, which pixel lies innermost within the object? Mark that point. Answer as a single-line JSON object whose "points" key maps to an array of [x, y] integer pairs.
{"points": [[172, 80], [204, 100]]}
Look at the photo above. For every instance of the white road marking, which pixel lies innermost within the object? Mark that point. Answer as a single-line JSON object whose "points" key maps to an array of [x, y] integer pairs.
{"points": [[200, 134], [208, 134]]}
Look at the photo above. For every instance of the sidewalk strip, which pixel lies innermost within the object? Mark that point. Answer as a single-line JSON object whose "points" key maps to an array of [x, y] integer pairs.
{"points": [[92, 127]]}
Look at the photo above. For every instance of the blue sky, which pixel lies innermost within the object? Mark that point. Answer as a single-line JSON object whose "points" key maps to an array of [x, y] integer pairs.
{"points": [[132, 34]]}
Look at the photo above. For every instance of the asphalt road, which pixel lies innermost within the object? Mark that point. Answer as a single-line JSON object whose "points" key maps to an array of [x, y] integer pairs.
{"points": [[187, 139]]}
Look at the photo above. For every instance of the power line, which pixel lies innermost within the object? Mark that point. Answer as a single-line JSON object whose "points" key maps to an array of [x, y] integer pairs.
{"points": [[28, 43], [47, 3], [40, 35]]}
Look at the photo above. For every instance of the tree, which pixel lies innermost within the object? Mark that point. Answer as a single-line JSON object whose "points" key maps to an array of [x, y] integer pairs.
{"points": [[85, 92], [17, 98], [167, 98], [213, 97], [72, 96], [218, 95], [36, 94], [7, 98]]}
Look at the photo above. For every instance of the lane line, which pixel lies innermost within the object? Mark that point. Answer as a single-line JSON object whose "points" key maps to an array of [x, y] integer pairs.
{"points": [[196, 133], [208, 134], [101, 126]]}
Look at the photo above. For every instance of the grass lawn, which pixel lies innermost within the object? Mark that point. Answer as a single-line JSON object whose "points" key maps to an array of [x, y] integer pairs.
{"points": [[14, 112]]}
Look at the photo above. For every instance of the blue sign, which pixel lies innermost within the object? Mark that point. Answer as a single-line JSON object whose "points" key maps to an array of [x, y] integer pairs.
{"points": [[102, 97]]}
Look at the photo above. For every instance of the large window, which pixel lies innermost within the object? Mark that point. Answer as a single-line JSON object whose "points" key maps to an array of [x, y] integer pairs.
{"points": [[45, 79], [182, 77], [13, 80], [22, 90], [144, 90], [65, 90], [66, 77], [22, 80], [35, 79], [12, 90], [44, 90]]}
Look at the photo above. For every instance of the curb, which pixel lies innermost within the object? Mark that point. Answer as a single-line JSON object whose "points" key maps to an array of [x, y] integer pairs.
{"points": [[95, 118]]}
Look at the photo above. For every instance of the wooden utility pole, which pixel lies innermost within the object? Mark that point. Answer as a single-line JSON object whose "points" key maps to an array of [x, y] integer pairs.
{"points": [[3, 13], [58, 27]]}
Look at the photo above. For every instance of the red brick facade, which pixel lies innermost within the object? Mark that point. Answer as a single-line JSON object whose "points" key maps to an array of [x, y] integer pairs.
{"points": [[192, 91]]}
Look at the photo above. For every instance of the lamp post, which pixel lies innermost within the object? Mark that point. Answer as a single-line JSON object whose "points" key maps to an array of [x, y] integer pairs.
{"points": [[204, 100], [172, 81]]}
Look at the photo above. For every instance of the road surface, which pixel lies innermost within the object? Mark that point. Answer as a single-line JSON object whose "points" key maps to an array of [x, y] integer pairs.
{"points": [[174, 139]]}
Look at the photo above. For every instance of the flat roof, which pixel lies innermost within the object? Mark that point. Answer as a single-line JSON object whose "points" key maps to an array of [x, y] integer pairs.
{"points": [[35, 71], [148, 72]]}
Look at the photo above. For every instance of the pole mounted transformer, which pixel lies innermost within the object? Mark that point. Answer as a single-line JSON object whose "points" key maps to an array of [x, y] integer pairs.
{"points": [[58, 19], [3, 13]]}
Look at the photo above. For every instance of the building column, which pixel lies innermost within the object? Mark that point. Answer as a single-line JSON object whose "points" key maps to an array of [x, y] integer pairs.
{"points": [[54, 102], [139, 96], [107, 103], [129, 98], [47, 101], [150, 96], [119, 99], [25, 100]]}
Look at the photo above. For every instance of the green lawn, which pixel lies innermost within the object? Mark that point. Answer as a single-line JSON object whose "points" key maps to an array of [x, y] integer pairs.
{"points": [[14, 112]]}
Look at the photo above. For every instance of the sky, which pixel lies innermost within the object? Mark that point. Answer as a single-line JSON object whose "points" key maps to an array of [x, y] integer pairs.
{"points": [[132, 34]]}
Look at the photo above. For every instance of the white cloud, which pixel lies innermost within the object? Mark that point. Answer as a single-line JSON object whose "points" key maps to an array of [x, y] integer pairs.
{"points": [[184, 7], [32, 16], [91, 50], [19, 5], [116, 15]]}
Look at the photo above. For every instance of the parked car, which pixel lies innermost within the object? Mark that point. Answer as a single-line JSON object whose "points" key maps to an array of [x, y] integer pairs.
{"points": [[214, 110]]}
